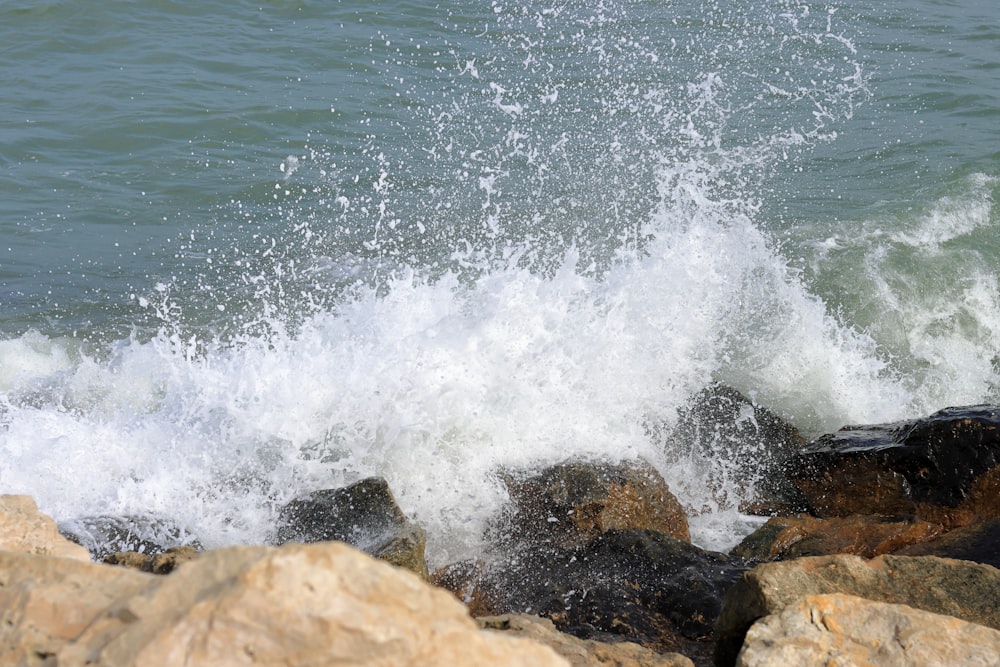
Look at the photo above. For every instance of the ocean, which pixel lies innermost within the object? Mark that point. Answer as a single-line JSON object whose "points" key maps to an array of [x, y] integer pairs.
{"points": [[249, 250]]}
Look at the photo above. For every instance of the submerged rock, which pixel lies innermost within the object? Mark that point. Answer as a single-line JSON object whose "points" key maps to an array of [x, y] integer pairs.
{"points": [[24, 529], [742, 444], [144, 534], [572, 503], [581, 652], [364, 515], [782, 538], [842, 629], [944, 468], [968, 591]]}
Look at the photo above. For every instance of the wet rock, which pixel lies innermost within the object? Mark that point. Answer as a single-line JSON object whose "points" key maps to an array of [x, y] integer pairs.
{"points": [[572, 503], [24, 529], [783, 538], [144, 534], [847, 630], [581, 652], [162, 563], [364, 515], [299, 604], [943, 468], [636, 585], [978, 542], [742, 445], [965, 590]]}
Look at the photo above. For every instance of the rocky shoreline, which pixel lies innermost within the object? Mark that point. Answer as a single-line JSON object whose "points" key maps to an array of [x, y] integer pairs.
{"points": [[881, 548]]}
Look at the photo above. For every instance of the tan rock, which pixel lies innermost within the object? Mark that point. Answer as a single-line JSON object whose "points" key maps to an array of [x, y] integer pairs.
{"points": [[46, 602], [846, 630], [24, 529], [965, 590], [581, 652], [315, 604]]}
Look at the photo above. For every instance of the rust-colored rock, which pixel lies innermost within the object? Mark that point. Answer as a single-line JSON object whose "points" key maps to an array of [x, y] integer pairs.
{"points": [[783, 538], [965, 590], [24, 529], [581, 652], [942, 468], [571, 504], [847, 630], [978, 542], [162, 563]]}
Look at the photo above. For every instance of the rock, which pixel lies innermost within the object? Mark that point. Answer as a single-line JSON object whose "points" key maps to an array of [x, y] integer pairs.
{"points": [[299, 604], [144, 534], [364, 515], [24, 529], [581, 652], [741, 444], [965, 590], [943, 468], [846, 630], [636, 585], [46, 602], [783, 538], [572, 503], [978, 542], [163, 563]]}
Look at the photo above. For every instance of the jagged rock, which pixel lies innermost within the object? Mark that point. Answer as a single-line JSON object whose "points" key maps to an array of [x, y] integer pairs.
{"points": [[464, 579], [24, 529], [741, 444], [978, 542], [638, 585], [144, 534], [364, 515], [965, 590], [783, 538], [572, 503], [847, 630], [162, 563], [299, 604], [581, 652], [943, 468]]}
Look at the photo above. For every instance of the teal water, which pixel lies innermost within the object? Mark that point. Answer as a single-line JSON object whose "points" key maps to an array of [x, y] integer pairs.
{"points": [[247, 250]]}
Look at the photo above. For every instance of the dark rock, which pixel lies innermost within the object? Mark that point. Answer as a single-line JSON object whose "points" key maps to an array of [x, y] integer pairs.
{"points": [[635, 585], [162, 563], [978, 542], [144, 534], [930, 468], [743, 446], [572, 503], [968, 591], [782, 538], [364, 515]]}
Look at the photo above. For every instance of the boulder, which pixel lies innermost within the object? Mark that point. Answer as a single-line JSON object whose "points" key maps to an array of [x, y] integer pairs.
{"points": [[299, 604], [364, 515], [142, 533], [572, 503], [636, 585], [943, 468], [978, 542], [965, 590], [581, 652], [741, 444], [24, 529], [783, 538], [847, 630]]}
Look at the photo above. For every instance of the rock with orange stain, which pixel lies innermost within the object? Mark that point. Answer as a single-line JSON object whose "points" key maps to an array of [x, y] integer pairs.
{"points": [[846, 630]]}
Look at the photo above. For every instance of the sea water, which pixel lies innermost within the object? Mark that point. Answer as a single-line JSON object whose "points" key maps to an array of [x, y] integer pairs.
{"points": [[248, 250]]}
